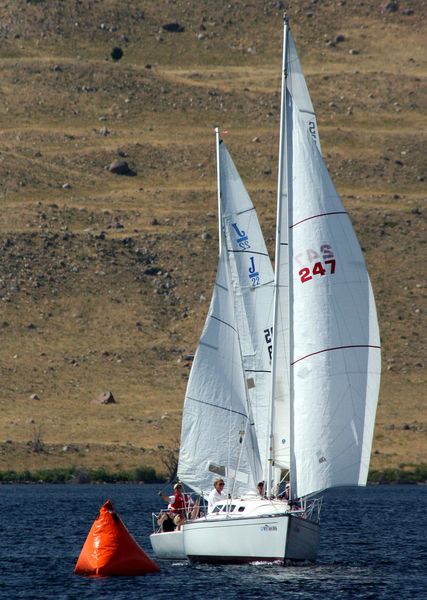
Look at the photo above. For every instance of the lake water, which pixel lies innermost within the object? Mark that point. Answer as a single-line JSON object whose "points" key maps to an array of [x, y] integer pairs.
{"points": [[373, 545]]}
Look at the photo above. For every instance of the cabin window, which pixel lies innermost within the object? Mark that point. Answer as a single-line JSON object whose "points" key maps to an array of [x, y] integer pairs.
{"points": [[232, 507], [217, 508], [241, 508]]}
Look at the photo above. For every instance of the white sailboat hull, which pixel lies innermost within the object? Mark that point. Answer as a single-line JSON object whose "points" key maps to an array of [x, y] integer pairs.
{"points": [[275, 537], [168, 545]]}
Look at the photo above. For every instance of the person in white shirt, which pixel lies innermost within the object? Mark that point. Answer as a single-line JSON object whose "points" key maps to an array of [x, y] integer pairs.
{"points": [[216, 495]]}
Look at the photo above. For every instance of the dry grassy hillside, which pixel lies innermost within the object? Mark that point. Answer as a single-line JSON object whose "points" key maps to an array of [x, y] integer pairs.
{"points": [[105, 279]]}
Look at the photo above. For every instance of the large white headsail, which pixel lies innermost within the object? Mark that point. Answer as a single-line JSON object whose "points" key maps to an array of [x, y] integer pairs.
{"points": [[217, 436], [326, 359], [295, 87], [336, 346], [252, 280]]}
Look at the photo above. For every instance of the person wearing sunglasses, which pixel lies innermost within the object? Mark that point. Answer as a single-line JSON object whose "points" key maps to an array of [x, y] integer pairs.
{"points": [[216, 495]]}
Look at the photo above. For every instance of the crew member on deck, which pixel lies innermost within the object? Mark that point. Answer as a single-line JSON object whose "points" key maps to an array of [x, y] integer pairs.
{"points": [[260, 489], [179, 505], [216, 495]]}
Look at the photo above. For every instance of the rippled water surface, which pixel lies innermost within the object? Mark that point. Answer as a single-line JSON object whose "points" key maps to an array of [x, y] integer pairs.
{"points": [[373, 545]]}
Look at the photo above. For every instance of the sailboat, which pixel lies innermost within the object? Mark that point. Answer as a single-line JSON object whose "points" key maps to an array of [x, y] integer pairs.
{"points": [[224, 426], [322, 382]]}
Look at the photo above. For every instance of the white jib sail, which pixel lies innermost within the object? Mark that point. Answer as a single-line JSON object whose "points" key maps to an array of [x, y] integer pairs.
{"points": [[335, 338], [252, 282], [217, 436]]}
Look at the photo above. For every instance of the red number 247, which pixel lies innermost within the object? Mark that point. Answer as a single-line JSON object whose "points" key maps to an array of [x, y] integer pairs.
{"points": [[318, 269]]}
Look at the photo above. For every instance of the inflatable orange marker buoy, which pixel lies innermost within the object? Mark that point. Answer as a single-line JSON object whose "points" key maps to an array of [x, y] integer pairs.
{"points": [[110, 549]]}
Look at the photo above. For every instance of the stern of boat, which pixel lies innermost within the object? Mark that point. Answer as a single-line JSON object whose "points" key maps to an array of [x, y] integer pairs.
{"points": [[168, 545]]}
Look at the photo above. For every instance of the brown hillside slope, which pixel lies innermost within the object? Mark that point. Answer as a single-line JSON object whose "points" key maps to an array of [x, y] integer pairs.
{"points": [[105, 280]]}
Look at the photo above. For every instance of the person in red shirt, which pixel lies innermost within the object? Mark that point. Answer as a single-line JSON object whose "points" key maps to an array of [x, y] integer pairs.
{"points": [[179, 505]]}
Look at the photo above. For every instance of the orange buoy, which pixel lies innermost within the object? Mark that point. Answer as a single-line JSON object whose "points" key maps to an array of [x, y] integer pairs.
{"points": [[110, 549]]}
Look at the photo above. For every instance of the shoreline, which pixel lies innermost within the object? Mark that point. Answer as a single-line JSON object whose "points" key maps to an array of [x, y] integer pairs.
{"points": [[74, 475], [404, 474]]}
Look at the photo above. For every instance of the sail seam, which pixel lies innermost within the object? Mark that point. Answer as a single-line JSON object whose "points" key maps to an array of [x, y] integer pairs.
{"points": [[236, 412], [307, 112], [247, 252], [336, 348], [338, 212], [223, 322], [242, 212], [256, 287], [222, 287], [211, 346]]}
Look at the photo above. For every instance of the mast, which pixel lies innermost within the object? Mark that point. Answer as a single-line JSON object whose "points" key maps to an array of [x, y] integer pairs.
{"points": [[290, 281], [218, 186], [280, 247]]}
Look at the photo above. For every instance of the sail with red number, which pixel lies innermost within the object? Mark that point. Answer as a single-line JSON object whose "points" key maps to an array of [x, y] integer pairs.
{"points": [[331, 344]]}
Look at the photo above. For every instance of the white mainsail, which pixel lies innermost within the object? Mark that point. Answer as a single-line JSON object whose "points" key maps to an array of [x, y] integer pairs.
{"points": [[218, 436], [327, 348], [252, 280]]}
